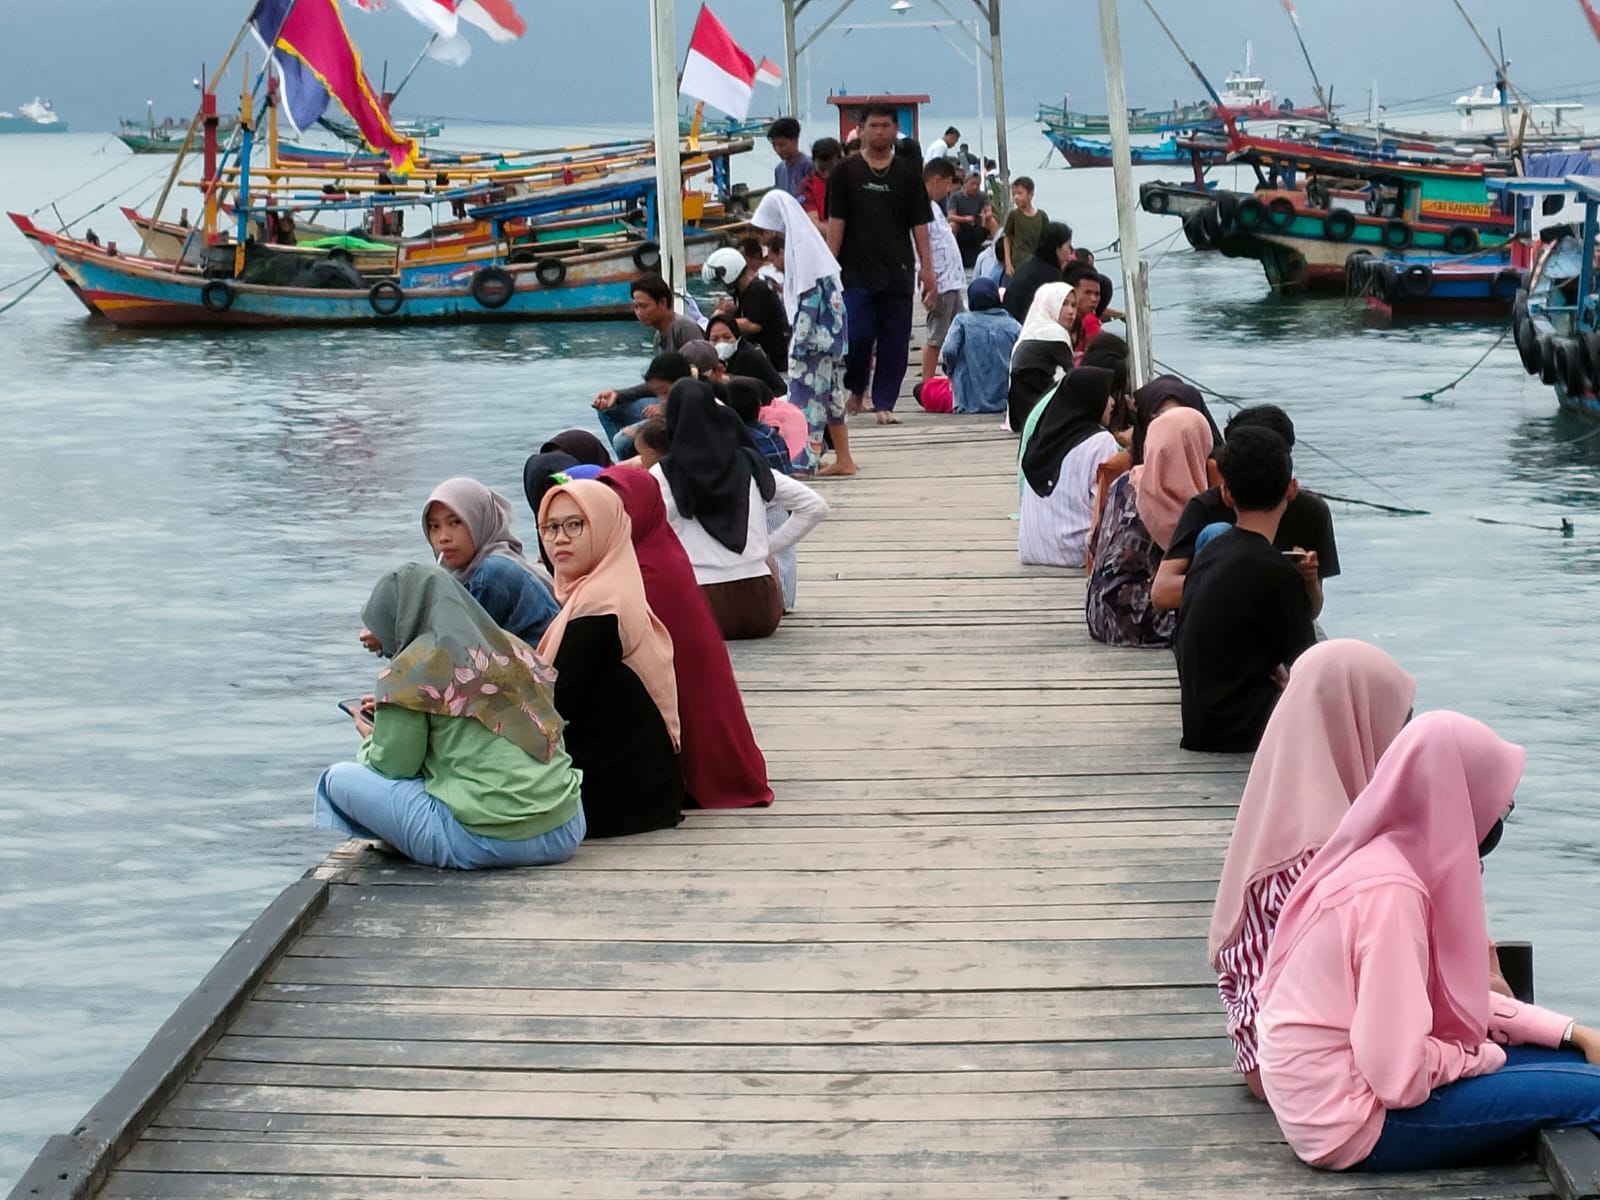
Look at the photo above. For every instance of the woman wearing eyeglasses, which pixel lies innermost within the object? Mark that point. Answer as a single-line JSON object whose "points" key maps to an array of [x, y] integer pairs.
{"points": [[614, 681]]}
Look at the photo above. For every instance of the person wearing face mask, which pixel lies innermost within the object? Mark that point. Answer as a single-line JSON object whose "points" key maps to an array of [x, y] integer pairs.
{"points": [[739, 356], [1381, 1045]]}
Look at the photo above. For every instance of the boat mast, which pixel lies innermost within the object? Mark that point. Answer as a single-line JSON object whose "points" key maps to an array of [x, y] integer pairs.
{"points": [[1135, 276], [1503, 84], [1322, 96], [669, 166], [1227, 117]]}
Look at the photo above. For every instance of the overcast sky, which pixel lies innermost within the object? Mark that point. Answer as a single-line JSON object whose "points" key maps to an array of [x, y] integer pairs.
{"points": [[588, 62]]}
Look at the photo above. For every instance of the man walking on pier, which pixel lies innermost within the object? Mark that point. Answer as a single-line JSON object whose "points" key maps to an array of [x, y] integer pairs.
{"points": [[877, 209]]}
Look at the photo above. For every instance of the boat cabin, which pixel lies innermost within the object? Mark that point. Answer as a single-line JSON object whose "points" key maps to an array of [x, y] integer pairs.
{"points": [[908, 108]]}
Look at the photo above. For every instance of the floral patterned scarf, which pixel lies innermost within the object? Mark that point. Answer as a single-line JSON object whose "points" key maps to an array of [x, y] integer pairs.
{"points": [[446, 657]]}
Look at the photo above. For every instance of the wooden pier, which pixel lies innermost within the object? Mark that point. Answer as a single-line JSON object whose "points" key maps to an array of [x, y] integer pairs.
{"points": [[963, 957]]}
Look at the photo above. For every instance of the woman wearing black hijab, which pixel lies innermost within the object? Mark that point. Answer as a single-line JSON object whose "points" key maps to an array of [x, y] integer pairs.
{"points": [[1052, 254], [539, 475], [1058, 465], [717, 487], [581, 444]]}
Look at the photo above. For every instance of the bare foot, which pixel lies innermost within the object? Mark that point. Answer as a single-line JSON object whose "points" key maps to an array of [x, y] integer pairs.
{"points": [[888, 418], [854, 406], [838, 468]]}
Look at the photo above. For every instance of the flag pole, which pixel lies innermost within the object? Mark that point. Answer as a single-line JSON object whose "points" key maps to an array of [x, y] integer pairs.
{"points": [[405, 79], [669, 166]]}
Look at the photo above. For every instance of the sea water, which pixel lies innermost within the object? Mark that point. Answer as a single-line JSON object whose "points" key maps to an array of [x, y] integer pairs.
{"points": [[189, 523]]}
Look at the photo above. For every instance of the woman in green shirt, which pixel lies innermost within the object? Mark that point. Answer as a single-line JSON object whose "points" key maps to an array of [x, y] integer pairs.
{"points": [[463, 764]]}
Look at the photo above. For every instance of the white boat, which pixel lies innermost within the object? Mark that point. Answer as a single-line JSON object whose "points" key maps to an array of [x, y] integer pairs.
{"points": [[1487, 110], [36, 116]]}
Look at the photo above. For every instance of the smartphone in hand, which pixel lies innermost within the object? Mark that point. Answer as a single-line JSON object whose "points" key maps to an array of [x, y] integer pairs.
{"points": [[358, 708]]}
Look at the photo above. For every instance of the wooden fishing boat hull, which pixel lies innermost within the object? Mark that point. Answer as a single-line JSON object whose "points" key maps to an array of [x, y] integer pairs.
{"points": [[169, 241], [1424, 289], [1305, 249], [1086, 152], [46, 244], [145, 294], [1174, 199], [1552, 347]]}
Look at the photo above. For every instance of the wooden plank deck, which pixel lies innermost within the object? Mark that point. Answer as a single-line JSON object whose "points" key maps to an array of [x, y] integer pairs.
{"points": [[963, 956]]}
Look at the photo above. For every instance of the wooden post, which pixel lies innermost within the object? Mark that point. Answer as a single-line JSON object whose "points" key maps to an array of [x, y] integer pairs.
{"points": [[791, 58], [669, 167], [1135, 281], [998, 71], [208, 114]]}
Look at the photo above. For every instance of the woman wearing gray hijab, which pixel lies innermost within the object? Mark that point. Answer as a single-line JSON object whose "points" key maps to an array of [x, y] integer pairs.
{"points": [[469, 527]]}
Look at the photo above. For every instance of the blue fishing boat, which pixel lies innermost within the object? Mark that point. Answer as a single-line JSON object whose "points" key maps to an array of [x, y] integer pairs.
{"points": [[1087, 152]]}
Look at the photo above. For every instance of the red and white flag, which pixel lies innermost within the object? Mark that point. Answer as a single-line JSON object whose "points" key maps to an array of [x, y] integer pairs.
{"points": [[768, 72], [497, 18], [717, 71]]}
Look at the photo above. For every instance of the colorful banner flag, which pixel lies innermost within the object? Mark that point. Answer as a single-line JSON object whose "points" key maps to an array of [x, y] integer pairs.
{"points": [[312, 32], [768, 72], [438, 15], [717, 71]]}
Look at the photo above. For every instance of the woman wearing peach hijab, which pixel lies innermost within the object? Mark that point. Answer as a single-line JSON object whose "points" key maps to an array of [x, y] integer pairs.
{"points": [[1141, 512], [614, 681], [1345, 702], [1381, 1045]]}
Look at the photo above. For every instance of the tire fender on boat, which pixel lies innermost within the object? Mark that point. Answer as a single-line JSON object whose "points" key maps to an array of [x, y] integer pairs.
{"points": [[1509, 283], [385, 297], [1357, 267], [1156, 201], [1416, 281], [217, 295], [1589, 353], [1548, 368], [551, 272], [1251, 213], [1339, 225], [493, 287], [1194, 229], [1211, 222], [523, 256], [1280, 212], [647, 257], [1569, 366], [1527, 340], [1385, 280], [1461, 239], [1397, 234]]}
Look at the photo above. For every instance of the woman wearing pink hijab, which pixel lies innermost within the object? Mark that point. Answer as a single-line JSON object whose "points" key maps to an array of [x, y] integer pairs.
{"points": [[1381, 1046], [1141, 512], [1345, 702]]}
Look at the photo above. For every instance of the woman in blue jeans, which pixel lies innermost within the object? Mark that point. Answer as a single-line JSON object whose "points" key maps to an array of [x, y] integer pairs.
{"points": [[1381, 1045], [462, 763]]}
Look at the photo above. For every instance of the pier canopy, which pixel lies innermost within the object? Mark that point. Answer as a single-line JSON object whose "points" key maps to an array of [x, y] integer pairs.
{"points": [[955, 29]]}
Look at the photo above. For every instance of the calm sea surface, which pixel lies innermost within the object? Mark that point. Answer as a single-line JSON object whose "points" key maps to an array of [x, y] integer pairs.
{"points": [[192, 521]]}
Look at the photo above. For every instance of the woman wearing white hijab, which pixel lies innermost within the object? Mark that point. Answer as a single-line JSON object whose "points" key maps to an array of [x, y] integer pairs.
{"points": [[1043, 352], [813, 299]]}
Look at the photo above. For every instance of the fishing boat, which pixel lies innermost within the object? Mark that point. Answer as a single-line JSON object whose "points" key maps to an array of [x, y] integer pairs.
{"points": [[35, 116], [1070, 123], [1316, 212], [1246, 97], [1494, 110], [418, 128], [150, 136], [1087, 152]]}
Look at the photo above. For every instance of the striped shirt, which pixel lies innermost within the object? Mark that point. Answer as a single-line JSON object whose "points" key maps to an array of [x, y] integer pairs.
{"points": [[1244, 960], [948, 273]]}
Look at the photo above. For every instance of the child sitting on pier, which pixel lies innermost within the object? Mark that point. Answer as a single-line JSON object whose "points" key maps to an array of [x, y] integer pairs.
{"points": [[1307, 525], [1346, 701], [615, 686], [469, 528], [1245, 615], [462, 763], [1381, 1045]]}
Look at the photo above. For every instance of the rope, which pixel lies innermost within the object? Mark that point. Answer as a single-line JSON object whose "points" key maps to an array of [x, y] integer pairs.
{"points": [[26, 292], [6, 287], [1428, 397], [1240, 402], [117, 166]]}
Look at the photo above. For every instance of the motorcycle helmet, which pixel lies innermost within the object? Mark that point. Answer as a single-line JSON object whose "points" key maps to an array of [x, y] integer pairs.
{"points": [[723, 267]]}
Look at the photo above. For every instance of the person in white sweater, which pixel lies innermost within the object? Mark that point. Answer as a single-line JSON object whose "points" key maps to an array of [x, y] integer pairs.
{"points": [[717, 487]]}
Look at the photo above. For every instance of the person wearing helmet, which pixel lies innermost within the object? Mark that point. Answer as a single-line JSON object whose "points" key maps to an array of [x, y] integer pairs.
{"points": [[751, 302]]}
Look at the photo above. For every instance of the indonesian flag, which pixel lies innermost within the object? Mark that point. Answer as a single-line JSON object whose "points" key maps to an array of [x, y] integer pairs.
{"points": [[717, 71], [498, 18], [769, 73]]}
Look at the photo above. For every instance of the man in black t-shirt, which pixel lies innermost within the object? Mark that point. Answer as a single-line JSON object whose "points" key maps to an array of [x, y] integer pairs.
{"points": [[1245, 615], [1307, 524], [877, 209]]}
